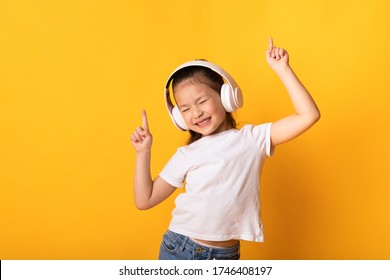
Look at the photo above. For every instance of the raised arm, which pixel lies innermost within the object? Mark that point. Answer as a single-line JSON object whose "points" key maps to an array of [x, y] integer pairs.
{"points": [[306, 111], [147, 192]]}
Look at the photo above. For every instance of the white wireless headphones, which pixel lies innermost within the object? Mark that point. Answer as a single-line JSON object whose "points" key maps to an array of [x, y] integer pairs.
{"points": [[231, 96]]}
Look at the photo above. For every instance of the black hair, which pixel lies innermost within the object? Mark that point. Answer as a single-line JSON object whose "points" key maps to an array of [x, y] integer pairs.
{"points": [[206, 76]]}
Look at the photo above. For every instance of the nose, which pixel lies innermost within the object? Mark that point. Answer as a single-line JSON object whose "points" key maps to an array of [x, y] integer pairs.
{"points": [[197, 113]]}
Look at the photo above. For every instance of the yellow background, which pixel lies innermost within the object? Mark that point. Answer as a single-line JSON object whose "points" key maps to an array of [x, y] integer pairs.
{"points": [[74, 76]]}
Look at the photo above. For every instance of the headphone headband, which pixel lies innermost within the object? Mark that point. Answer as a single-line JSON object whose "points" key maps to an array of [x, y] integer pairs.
{"points": [[235, 95], [205, 64]]}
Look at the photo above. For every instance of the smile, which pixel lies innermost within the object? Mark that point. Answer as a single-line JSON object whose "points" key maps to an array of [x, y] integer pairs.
{"points": [[203, 122]]}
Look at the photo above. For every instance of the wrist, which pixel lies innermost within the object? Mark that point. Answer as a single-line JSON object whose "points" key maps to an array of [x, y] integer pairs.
{"points": [[143, 153], [283, 69]]}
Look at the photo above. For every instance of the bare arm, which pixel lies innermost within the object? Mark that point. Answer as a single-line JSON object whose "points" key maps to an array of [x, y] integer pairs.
{"points": [[306, 111], [147, 192]]}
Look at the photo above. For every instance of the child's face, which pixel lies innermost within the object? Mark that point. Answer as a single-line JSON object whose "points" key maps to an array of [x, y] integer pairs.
{"points": [[201, 108]]}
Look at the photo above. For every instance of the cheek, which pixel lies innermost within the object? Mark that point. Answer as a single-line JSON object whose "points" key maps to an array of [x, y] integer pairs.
{"points": [[187, 117], [217, 108]]}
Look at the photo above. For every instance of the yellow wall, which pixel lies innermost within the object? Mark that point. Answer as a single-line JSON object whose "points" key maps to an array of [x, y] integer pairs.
{"points": [[74, 76]]}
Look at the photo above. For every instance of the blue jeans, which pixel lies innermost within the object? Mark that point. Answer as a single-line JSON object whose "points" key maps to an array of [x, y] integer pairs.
{"points": [[175, 246]]}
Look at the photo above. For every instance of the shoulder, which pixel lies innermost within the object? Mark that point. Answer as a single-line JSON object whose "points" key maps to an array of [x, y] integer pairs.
{"points": [[256, 129], [259, 134]]}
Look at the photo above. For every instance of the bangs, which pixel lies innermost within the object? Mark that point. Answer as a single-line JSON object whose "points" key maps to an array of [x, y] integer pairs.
{"points": [[198, 74]]}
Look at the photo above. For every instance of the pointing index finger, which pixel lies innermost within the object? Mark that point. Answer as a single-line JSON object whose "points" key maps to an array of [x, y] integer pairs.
{"points": [[270, 43], [145, 124]]}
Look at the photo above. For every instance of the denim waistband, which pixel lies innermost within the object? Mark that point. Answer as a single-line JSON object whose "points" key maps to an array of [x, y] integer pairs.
{"points": [[209, 252]]}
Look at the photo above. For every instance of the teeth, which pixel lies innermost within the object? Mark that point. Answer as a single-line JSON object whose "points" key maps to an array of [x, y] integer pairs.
{"points": [[203, 122]]}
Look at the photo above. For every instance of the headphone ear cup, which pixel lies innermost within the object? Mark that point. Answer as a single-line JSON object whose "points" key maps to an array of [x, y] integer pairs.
{"points": [[178, 119], [237, 97], [227, 98], [231, 100]]}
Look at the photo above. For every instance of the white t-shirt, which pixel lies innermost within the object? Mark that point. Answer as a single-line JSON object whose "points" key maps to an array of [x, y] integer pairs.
{"points": [[221, 174]]}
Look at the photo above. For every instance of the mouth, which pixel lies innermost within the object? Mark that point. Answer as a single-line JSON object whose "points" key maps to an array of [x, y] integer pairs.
{"points": [[203, 122]]}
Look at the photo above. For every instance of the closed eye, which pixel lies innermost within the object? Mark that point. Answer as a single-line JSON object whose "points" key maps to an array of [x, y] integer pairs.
{"points": [[203, 101]]}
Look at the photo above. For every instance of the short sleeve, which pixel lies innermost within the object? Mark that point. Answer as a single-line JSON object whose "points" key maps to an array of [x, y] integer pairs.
{"points": [[262, 136], [174, 172]]}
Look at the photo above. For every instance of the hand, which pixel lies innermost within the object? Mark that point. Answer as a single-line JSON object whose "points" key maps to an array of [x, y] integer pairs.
{"points": [[141, 137], [277, 58]]}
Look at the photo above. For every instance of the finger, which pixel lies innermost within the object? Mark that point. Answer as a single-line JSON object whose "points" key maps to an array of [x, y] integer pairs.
{"points": [[278, 53], [134, 139], [275, 53], [140, 131], [270, 43], [137, 137], [281, 53], [268, 53], [145, 124]]}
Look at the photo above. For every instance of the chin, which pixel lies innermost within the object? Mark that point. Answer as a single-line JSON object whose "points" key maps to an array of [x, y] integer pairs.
{"points": [[202, 131]]}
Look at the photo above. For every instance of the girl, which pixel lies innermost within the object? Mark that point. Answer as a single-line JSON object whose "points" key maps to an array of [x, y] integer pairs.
{"points": [[219, 167]]}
